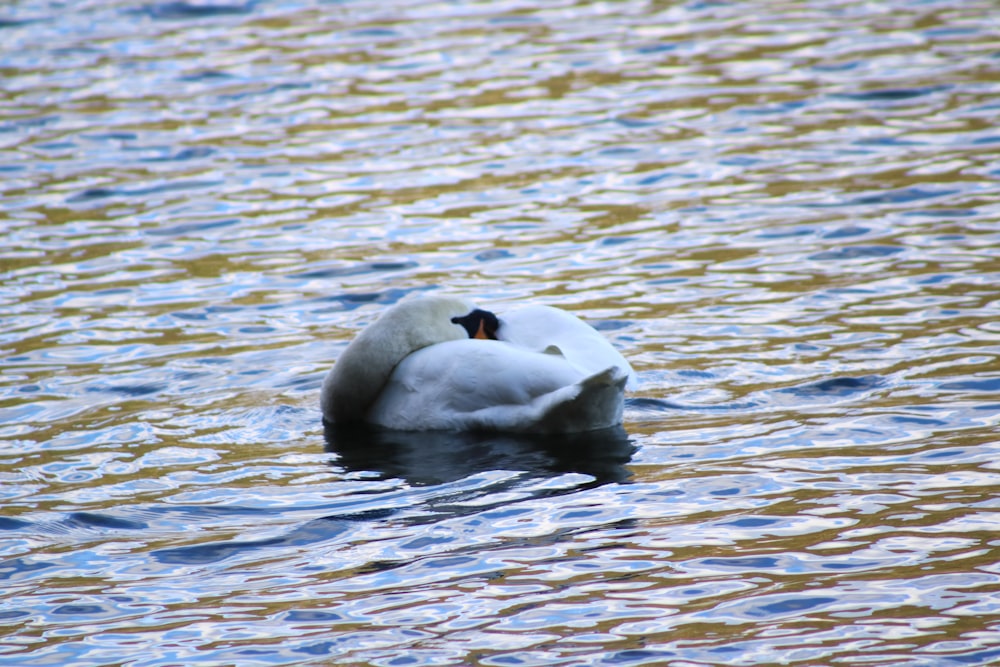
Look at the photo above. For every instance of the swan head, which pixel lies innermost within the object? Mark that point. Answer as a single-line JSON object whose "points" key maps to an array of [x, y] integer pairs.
{"points": [[362, 370], [479, 323]]}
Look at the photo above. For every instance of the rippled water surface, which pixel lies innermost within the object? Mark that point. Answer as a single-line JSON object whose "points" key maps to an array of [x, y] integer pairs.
{"points": [[785, 214]]}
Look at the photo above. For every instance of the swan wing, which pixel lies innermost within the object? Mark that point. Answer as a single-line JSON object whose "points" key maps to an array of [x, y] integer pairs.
{"points": [[539, 327], [498, 386]]}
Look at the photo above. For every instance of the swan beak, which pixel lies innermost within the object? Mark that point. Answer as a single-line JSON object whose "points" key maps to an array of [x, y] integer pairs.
{"points": [[481, 332]]}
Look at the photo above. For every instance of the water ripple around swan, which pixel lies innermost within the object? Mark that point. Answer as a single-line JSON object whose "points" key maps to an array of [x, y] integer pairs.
{"points": [[784, 214]]}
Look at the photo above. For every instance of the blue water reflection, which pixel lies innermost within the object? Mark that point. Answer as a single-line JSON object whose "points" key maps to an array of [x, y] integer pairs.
{"points": [[787, 224]]}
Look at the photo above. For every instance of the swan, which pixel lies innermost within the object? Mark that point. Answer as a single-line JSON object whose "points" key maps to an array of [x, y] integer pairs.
{"points": [[438, 363]]}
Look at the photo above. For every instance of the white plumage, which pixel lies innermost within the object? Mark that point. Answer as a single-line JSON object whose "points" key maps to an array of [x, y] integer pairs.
{"points": [[416, 369]]}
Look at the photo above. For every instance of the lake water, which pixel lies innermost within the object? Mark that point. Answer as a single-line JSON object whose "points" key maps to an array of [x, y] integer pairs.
{"points": [[785, 214]]}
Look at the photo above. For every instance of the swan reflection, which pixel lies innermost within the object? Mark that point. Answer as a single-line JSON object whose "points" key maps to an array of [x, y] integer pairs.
{"points": [[427, 458]]}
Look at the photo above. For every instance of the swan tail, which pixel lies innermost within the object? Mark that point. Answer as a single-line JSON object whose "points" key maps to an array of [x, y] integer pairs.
{"points": [[595, 402], [598, 403]]}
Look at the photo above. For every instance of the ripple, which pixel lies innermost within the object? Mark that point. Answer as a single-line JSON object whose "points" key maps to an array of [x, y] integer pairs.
{"points": [[196, 10], [789, 229], [837, 387]]}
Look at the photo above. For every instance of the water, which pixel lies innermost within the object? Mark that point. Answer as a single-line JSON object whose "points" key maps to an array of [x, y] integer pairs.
{"points": [[786, 215]]}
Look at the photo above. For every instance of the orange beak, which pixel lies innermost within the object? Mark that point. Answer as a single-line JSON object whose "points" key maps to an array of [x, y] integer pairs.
{"points": [[481, 332]]}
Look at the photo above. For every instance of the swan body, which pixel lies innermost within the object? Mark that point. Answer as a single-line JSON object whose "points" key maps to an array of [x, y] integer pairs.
{"points": [[540, 327], [416, 369]]}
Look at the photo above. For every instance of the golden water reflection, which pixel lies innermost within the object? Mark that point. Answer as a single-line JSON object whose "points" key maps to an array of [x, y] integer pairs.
{"points": [[783, 214]]}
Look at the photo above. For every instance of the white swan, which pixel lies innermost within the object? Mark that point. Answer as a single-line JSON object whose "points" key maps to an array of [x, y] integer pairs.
{"points": [[418, 368]]}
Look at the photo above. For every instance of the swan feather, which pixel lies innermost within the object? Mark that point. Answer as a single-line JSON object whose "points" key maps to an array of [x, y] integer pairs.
{"points": [[413, 369]]}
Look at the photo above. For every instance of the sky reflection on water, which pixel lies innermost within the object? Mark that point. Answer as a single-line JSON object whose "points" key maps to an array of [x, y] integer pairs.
{"points": [[785, 215]]}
